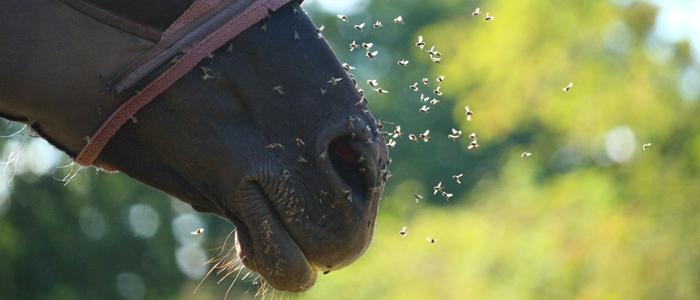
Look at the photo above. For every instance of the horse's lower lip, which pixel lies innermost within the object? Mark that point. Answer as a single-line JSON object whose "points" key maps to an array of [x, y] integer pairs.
{"points": [[266, 247]]}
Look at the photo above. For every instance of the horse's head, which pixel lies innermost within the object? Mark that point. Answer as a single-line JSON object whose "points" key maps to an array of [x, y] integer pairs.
{"points": [[271, 134]]}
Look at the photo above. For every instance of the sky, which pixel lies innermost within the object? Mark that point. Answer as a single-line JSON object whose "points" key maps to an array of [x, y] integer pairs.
{"points": [[677, 21], [347, 7]]}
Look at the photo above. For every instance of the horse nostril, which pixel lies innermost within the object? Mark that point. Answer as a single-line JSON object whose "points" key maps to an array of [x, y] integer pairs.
{"points": [[351, 164]]}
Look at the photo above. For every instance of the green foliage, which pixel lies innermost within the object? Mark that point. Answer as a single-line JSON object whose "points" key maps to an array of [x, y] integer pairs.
{"points": [[568, 222]]}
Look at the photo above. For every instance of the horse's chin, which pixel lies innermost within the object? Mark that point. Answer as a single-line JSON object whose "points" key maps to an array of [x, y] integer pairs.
{"points": [[265, 246]]}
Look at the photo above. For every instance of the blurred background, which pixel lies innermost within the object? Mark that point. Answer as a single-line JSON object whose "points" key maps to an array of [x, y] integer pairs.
{"points": [[590, 215]]}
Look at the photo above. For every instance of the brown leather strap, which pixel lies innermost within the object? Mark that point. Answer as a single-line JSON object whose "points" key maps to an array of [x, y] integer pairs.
{"points": [[235, 25], [196, 10], [178, 37]]}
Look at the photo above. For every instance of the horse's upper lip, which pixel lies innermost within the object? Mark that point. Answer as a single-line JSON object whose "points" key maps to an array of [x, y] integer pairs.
{"points": [[267, 247]]}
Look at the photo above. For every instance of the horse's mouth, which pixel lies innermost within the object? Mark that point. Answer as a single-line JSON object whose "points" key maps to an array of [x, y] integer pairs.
{"points": [[265, 245], [288, 253]]}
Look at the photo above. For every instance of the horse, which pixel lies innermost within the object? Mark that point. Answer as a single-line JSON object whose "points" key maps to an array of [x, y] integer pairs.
{"points": [[267, 130]]}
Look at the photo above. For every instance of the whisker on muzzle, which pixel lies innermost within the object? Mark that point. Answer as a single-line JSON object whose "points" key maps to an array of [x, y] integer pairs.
{"points": [[226, 263]]}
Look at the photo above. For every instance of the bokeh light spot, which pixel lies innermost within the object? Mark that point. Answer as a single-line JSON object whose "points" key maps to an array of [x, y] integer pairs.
{"points": [[689, 85], [620, 144], [183, 225], [131, 286], [92, 223], [144, 220], [191, 260]]}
